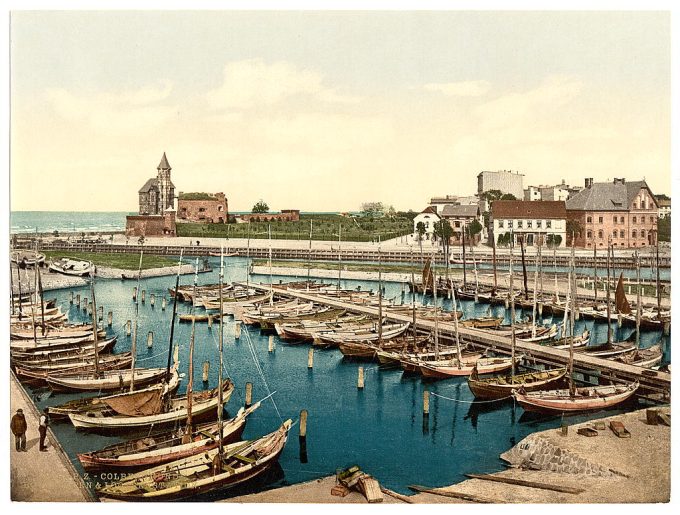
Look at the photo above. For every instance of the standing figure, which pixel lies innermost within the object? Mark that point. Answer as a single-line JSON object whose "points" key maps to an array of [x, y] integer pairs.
{"points": [[18, 426], [42, 428]]}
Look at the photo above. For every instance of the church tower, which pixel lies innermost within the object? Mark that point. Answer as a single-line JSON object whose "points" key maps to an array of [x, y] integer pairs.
{"points": [[165, 187]]}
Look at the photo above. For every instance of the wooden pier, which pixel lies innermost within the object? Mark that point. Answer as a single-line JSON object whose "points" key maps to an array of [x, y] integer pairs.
{"points": [[651, 381]]}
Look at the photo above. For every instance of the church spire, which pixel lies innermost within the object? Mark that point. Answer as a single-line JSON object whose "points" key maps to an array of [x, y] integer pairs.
{"points": [[164, 165]]}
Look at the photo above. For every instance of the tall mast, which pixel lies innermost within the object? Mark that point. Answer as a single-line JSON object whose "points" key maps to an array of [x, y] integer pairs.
{"points": [[557, 292], [271, 278], [339, 254], [595, 273], [474, 268], [134, 332], [220, 403], [574, 291], [190, 384], [247, 264], [572, 283], [413, 300], [455, 325], [309, 255], [609, 310], [43, 328], [436, 318], [638, 310], [174, 316], [533, 314], [524, 269], [495, 278], [32, 309], [512, 321], [379, 298], [20, 304], [464, 261], [658, 279], [94, 326], [11, 288]]}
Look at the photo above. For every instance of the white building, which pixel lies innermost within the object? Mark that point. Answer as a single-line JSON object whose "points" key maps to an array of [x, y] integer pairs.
{"points": [[534, 221], [428, 217], [532, 193], [503, 180]]}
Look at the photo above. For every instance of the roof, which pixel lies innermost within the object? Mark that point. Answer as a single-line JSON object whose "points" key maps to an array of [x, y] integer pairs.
{"points": [[467, 210], [164, 165], [607, 196], [536, 209], [430, 210], [151, 183]]}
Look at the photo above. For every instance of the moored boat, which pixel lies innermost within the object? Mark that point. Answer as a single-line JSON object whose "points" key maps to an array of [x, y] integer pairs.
{"points": [[588, 398], [500, 387]]}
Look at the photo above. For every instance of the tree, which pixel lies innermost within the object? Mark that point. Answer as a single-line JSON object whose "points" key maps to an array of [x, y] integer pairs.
{"points": [[141, 240], [508, 196], [573, 227], [391, 212], [474, 228], [261, 207], [664, 228], [372, 208], [491, 195], [420, 229]]}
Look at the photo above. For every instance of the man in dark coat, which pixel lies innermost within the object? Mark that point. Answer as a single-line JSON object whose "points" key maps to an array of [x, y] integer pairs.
{"points": [[42, 428], [18, 426]]}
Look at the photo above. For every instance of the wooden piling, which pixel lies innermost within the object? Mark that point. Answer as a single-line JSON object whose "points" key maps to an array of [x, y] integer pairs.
{"points": [[540, 309], [110, 320], [237, 330], [210, 321], [652, 417], [134, 294], [310, 358], [303, 423], [565, 430], [128, 327], [78, 300], [249, 394], [71, 298], [206, 371], [667, 327], [149, 339], [143, 296], [152, 299], [163, 302], [90, 308], [85, 304], [426, 403], [360, 380], [271, 343]]}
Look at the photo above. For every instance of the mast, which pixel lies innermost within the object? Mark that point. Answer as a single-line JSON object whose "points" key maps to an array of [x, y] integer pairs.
{"points": [[512, 321], [557, 292], [658, 280], [309, 255], [533, 314], [495, 278], [19, 280], [572, 283], [574, 291], [247, 264], [32, 309], [464, 261], [413, 301], [134, 332], [190, 384], [174, 316], [271, 279], [524, 268], [339, 254], [220, 403], [94, 326], [638, 310], [42, 303], [595, 274], [379, 298], [567, 304], [474, 268], [436, 318], [609, 309], [455, 325], [11, 288]]}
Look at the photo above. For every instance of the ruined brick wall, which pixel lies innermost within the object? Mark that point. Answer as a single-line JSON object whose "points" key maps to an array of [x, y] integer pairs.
{"points": [[214, 210], [286, 215], [151, 225]]}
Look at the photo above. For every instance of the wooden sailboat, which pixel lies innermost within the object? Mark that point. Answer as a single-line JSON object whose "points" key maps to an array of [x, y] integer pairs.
{"points": [[574, 399], [74, 267]]}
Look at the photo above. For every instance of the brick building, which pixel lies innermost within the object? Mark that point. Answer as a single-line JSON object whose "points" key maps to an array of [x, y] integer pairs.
{"points": [[286, 215], [459, 217], [202, 208], [533, 220], [151, 225], [625, 211]]}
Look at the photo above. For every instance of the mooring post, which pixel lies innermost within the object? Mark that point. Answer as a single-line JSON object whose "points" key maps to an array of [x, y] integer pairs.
{"points": [[143, 296], [249, 394], [152, 299], [70, 299], [565, 429], [237, 330], [163, 303], [128, 327], [210, 321], [271, 343], [149, 339], [206, 371], [85, 305], [426, 403], [134, 294], [360, 380], [110, 320], [652, 418], [303, 423], [310, 358]]}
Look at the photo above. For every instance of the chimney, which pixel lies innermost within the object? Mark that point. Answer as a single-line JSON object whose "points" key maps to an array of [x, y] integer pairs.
{"points": [[589, 182], [619, 180]]}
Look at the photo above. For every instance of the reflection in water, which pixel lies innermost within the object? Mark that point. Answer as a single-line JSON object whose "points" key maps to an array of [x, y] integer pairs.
{"points": [[303, 449]]}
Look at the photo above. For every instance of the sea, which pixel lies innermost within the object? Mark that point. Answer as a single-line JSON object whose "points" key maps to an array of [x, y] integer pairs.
{"points": [[23, 222], [379, 428]]}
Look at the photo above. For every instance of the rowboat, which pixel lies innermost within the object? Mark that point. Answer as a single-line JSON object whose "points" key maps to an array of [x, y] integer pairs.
{"points": [[51, 345], [589, 398], [39, 374], [482, 322], [163, 447], [500, 387], [105, 380], [542, 334], [610, 350], [369, 350], [198, 318], [369, 334], [647, 358], [48, 353], [304, 330], [27, 257], [575, 341], [410, 362], [238, 463], [321, 314], [217, 254], [450, 368], [74, 267], [67, 331], [173, 412]]}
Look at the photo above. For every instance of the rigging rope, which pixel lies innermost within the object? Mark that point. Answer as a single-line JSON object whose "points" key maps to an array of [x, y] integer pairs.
{"points": [[470, 402], [251, 348]]}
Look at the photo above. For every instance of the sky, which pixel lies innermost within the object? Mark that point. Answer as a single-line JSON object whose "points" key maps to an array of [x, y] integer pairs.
{"points": [[322, 111]]}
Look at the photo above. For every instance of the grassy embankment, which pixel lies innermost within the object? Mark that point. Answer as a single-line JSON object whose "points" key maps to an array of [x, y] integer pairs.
{"points": [[324, 227], [121, 261]]}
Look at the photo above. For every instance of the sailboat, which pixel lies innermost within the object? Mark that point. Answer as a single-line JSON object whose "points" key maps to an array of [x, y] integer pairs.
{"points": [[588, 398], [501, 387]]}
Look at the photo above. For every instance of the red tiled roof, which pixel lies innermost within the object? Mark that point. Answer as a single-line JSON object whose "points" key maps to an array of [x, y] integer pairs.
{"points": [[429, 209], [538, 209]]}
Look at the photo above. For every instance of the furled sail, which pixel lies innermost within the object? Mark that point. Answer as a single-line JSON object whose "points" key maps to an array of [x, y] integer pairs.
{"points": [[622, 305]]}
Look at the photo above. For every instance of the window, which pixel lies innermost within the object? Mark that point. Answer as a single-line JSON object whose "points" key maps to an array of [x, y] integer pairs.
{"points": [[634, 233], [589, 219], [634, 205], [457, 224], [520, 223], [651, 219], [622, 233], [600, 234], [201, 209], [623, 220], [589, 234], [635, 219], [539, 223], [615, 233], [220, 208], [529, 224], [500, 224], [616, 218], [601, 220], [509, 224], [548, 224], [642, 219], [642, 233]]}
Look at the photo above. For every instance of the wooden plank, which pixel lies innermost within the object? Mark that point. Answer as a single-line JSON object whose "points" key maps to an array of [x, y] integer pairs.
{"points": [[392, 493], [454, 495], [370, 487], [528, 484]]}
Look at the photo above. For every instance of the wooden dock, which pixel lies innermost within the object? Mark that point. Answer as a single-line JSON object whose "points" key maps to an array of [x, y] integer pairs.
{"points": [[651, 381]]}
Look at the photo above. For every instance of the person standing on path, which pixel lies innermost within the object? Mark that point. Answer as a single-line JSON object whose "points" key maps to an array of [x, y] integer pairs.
{"points": [[42, 428], [18, 426]]}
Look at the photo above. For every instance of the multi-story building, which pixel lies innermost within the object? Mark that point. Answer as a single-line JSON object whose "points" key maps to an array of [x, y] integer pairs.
{"points": [[439, 202], [532, 193], [664, 202], [534, 221], [626, 211], [158, 193], [503, 180], [459, 217], [202, 208]]}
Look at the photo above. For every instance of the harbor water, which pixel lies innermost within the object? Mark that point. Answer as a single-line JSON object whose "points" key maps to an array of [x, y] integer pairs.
{"points": [[380, 428]]}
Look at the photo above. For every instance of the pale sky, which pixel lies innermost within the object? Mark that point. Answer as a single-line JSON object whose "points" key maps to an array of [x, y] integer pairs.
{"points": [[321, 111]]}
